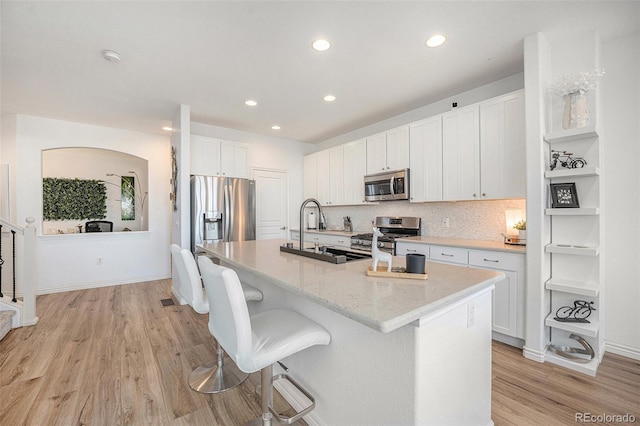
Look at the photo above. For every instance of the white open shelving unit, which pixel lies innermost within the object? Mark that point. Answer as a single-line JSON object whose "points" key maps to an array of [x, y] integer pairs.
{"points": [[575, 247]]}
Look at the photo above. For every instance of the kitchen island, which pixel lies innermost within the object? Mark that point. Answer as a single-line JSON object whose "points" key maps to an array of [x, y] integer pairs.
{"points": [[402, 351]]}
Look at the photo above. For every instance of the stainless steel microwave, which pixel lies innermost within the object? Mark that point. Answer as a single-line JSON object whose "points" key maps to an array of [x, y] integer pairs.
{"points": [[385, 186]]}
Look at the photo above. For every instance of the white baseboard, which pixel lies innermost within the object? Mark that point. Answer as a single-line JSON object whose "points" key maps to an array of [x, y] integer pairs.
{"points": [[508, 340], [98, 284], [533, 354], [623, 350]]}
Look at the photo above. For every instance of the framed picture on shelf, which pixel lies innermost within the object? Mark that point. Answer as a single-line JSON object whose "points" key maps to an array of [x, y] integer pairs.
{"points": [[564, 195]]}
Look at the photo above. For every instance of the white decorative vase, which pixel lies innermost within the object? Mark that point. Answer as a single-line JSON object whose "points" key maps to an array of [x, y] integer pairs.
{"points": [[576, 112], [522, 235]]}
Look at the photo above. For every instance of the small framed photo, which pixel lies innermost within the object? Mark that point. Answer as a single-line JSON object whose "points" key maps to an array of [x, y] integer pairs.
{"points": [[564, 195]]}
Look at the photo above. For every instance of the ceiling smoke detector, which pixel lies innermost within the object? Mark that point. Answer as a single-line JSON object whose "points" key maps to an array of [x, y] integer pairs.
{"points": [[111, 56]]}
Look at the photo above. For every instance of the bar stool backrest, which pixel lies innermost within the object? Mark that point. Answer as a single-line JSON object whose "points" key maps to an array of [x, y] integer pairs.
{"points": [[229, 320], [189, 277]]}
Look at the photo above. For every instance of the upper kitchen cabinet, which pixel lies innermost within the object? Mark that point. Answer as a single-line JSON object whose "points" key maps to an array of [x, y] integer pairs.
{"points": [[355, 167], [425, 164], [461, 154], [483, 150], [234, 159], [388, 150], [213, 157], [336, 175], [502, 146]]}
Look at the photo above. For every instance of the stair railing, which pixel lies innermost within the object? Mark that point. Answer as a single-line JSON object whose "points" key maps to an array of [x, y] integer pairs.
{"points": [[26, 274]]}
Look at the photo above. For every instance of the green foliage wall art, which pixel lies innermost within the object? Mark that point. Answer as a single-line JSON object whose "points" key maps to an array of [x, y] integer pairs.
{"points": [[73, 199], [128, 192]]}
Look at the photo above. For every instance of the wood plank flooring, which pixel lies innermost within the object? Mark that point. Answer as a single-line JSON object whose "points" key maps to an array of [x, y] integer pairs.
{"points": [[116, 356]]}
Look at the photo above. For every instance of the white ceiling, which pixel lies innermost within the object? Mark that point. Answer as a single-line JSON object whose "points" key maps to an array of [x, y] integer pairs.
{"points": [[213, 56]]}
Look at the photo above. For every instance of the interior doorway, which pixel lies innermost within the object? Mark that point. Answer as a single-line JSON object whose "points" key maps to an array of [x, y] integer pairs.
{"points": [[272, 201]]}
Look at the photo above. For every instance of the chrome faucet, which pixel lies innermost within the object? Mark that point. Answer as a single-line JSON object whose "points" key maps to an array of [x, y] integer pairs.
{"points": [[304, 204]]}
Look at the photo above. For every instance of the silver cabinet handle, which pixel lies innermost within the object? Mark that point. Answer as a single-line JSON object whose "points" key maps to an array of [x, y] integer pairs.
{"points": [[445, 254], [341, 241], [283, 228], [490, 260], [412, 250]]}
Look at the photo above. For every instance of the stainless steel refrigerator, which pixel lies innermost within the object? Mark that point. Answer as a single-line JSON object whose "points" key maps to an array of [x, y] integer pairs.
{"points": [[222, 209]]}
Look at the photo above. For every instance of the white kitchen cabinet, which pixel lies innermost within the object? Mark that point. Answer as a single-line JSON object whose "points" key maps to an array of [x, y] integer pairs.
{"points": [[213, 157], [425, 163], [323, 238], [310, 184], [502, 147], [336, 175], [354, 169], [508, 296], [323, 171], [204, 156], [234, 161], [377, 153], [388, 150], [398, 148], [461, 154]]}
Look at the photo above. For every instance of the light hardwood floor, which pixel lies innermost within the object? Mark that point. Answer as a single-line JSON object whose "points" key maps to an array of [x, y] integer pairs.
{"points": [[116, 356]]}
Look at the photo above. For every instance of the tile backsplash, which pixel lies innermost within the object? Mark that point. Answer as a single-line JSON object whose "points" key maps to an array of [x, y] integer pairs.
{"points": [[477, 220]]}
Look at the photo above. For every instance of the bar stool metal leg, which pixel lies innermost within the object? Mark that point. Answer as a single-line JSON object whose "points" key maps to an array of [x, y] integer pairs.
{"points": [[216, 376], [266, 397]]}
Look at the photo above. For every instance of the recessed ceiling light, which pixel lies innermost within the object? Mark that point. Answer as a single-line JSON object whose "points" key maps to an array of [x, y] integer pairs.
{"points": [[321, 45], [275, 127], [111, 56], [436, 40], [250, 102], [168, 129], [329, 98]]}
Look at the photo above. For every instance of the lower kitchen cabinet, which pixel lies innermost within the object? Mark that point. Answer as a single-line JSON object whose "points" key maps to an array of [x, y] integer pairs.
{"points": [[508, 296], [323, 238]]}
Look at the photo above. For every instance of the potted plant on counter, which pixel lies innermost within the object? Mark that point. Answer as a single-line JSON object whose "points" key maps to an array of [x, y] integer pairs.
{"points": [[521, 226]]}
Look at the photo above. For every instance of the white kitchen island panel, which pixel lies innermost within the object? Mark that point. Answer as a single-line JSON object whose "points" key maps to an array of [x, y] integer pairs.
{"points": [[402, 352]]}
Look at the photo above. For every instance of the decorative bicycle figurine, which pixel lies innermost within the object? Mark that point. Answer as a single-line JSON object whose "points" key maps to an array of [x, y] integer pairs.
{"points": [[579, 312], [566, 160]]}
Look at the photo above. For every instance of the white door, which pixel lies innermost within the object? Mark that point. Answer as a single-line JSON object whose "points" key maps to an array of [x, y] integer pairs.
{"points": [[271, 203]]}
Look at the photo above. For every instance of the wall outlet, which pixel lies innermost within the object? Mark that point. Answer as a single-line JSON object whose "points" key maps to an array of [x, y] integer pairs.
{"points": [[445, 222], [471, 314], [99, 261]]}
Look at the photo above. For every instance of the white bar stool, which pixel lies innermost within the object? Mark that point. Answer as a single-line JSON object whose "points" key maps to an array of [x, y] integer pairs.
{"points": [[214, 376], [259, 341]]}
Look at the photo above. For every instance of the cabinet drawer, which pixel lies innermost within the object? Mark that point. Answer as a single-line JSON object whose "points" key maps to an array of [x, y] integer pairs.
{"points": [[337, 240], [449, 254], [402, 249], [493, 260]]}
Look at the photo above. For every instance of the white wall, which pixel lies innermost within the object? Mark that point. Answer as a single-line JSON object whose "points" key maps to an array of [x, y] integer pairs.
{"points": [[621, 104], [68, 262], [269, 153]]}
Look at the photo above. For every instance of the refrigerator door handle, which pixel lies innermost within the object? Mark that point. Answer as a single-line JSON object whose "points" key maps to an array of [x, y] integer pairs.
{"points": [[227, 212]]}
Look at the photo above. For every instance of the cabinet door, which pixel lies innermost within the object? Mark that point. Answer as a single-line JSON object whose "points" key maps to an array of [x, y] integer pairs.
{"points": [[204, 156], [233, 159], [398, 148], [425, 164], [502, 147], [322, 176], [354, 169], [461, 154], [336, 175], [310, 176], [505, 303], [377, 153]]}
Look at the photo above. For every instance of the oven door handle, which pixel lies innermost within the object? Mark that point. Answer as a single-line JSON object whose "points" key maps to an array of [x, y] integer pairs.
{"points": [[391, 186]]}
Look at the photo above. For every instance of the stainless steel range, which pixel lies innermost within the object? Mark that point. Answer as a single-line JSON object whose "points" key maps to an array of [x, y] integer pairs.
{"points": [[393, 227]]}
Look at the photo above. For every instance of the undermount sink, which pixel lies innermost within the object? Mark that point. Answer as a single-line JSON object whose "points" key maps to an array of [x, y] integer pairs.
{"points": [[327, 254]]}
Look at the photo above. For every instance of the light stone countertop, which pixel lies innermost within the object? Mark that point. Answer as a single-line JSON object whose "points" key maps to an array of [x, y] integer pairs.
{"points": [[384, 304], [469, 244]]}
